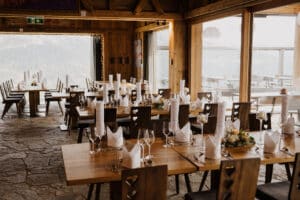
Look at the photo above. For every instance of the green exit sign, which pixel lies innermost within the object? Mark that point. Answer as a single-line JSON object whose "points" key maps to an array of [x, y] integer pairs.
{"points": [[35, 20]]}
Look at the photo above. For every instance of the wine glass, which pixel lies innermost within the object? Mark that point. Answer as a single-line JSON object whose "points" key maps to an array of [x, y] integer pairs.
{"points": [[166, 133], [141, 142], [149, 139], [201, 120], [81, 101], [261, 115]]}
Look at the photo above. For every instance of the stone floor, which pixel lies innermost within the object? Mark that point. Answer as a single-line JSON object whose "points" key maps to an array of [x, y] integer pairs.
{"points": [[31, 165]]}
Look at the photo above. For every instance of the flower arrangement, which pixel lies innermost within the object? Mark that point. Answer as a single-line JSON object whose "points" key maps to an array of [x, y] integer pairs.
{"points": [[237, 138]]}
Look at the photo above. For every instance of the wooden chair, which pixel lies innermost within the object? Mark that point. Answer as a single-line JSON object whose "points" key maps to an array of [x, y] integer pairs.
{"points": [[165, 93], [73, 102], [133, 96], [241, 110], [49, 98], [211, 109], [282, 190], [206, 95], [140, 118], [142, 183], [254, 123], [238, 180], [184, 112], [9, 101]]}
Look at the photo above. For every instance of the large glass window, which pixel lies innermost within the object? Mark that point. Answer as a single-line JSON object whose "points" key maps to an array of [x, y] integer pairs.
{"points": [[159, 59], [273, 52], [221, 56], [54, 55]]}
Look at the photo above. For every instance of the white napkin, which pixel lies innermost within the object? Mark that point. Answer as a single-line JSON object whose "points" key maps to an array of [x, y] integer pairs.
{"points": [[117, 90], [100, 118], [105, 93], [220, 127], [166, 104], [181, 92], [119, 78], [213, 147], [132, 157], [111, 80], [284, 108], [271, 141], [185, 99], [184, 134], [124, 101], [288, 127], [174, 115], [115, 139], [138, 92]]}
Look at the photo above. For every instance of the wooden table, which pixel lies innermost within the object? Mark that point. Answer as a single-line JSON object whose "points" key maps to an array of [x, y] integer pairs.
{"points": [[82, 168], [66, 95], [34, 98]]}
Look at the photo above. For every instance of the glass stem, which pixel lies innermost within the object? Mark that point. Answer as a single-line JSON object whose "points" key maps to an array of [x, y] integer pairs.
{"points": [[260, 135]]}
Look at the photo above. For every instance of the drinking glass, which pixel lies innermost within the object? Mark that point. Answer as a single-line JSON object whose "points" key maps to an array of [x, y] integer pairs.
{"points": [[261, 115], [149, 139], [141, 142], [202, 119], [166, 133]]}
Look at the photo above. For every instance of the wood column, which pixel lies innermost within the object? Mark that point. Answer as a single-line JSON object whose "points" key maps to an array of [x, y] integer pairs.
{"points": [[177, 54], [246, 56], [296, 74], [195, 59]]}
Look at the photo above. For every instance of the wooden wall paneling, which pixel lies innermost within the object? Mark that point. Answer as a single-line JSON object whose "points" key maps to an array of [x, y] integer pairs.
{"points": [[177, 54], [246, 56], [195, 59]]}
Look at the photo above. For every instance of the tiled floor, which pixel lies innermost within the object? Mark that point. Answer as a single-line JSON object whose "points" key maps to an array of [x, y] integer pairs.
{"points": [[31, 164]]}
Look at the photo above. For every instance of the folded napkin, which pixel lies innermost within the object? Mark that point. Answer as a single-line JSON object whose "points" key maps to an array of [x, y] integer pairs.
{"points": [[111, 80], [100, 118], [185, 99], [184, 134], [220, 127], [288, 127], [119, 78], [213, 147], [132, 156], [181, 91], [174, 115], [105, 93], [115, 139], [124, 101], [138, 92], [271, 141], [117, 90], [284, 108]]}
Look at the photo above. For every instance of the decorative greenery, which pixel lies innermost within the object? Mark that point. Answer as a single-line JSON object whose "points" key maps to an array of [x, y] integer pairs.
{"points": [[238, 138]]}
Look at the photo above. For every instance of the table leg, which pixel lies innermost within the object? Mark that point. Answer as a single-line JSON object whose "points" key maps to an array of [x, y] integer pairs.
{"points": [[214, 179], [34, 98]]}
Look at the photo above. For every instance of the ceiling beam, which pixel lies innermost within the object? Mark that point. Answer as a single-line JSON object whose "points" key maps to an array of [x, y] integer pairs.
{"points": [[272, 4], [222, 6], [152, 27], [157, 6], [139, 7], [98, 15], [283, 10]]}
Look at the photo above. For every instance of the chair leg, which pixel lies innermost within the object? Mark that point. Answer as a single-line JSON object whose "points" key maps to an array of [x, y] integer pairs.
{"points": [[269, 172], [288, 171], [177, 183], [203, 180], [187, 182], [98, 188], [6, 108], [61, 110], [47, 107], [18, 109], [79, 139], [91, 188]]}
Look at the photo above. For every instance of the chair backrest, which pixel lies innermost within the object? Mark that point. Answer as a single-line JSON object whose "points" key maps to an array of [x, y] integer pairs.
{"points": [[74, 100], [210, 126], [206, 95], [141, 183], [254, 123], [2, 93], [140, 118], [133, 96], [294, 192], [184, 111], [11, 83], [241, 110], [110, 117], [165, 93], [211, 109], [238, 179], [5, 89]]}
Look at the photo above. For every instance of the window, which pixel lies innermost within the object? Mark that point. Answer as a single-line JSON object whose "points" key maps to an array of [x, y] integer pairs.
{"points": [[54, 55], [221, 56], [158, 58]]}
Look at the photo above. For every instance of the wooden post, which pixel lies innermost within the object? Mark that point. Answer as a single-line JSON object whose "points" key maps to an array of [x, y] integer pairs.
{"points": [[195, 59], [246, 56], [177, 53]]}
